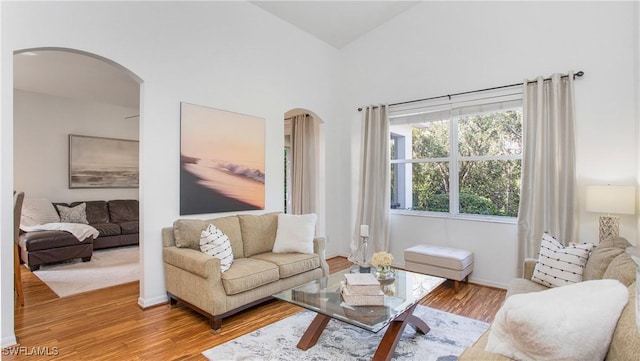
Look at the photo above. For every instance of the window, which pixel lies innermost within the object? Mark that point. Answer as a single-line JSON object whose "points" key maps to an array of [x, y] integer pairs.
{"points": [[459, 157]]}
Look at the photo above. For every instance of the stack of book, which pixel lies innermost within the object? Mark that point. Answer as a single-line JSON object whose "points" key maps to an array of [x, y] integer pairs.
{"points": [[362, 289]]}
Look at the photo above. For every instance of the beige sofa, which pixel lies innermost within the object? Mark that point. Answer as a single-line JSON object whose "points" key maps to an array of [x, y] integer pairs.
{"points": [[609, 261], [194, 277]]}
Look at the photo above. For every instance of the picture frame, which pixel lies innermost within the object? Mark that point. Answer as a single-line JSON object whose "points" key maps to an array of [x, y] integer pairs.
{"points": [[98, 162], [222, 160]]}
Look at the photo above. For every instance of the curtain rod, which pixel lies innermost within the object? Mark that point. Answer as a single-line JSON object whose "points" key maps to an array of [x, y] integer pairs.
{"points": [[579, 74]]}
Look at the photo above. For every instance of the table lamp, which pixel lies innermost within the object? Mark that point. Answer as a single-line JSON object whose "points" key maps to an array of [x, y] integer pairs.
{"points": [[610, 199]]}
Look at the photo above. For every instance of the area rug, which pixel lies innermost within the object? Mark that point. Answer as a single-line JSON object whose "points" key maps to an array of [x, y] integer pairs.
{"points": [[108, 267], [450, 334]]}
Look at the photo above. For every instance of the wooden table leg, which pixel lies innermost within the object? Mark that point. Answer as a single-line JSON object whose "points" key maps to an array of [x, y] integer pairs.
{"points": [[313, 332], [394, 332]]}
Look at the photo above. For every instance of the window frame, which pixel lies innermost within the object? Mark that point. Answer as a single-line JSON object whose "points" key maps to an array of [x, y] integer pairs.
{"points": [[454, 159]]}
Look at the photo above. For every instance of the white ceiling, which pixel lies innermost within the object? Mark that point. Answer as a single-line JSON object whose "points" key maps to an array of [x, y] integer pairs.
{"points": [[336, 22], [78, 76]]}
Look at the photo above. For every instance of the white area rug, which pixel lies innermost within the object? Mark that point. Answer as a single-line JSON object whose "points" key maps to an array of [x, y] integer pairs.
{"points": [[108, 267], [450, 334]]}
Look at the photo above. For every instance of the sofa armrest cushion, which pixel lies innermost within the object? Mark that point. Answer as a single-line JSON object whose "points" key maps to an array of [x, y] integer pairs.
{"points": [[192, 261], [625, 344]]}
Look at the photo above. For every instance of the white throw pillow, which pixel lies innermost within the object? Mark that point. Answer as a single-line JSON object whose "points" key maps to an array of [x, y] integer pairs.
{"points": [[559, 265], [215, 243], [77, 214], [295, 233], [574, 322], [37, 211]]}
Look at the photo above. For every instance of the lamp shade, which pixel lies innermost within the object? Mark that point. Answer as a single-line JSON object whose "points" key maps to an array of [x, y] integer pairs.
{"points": [[611, 199]]}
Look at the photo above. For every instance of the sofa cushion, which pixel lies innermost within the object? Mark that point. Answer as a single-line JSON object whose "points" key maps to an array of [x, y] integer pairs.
{"points": [[187, 232], [290, 264], [625, 344], [42, 240], [258, 232], [97, 211], [573, 322], [559, 265], [295, 233], [623, 269], [599, 261], [246, 274], [107, 229], [121, 210], [130, 227], [75, 214]]}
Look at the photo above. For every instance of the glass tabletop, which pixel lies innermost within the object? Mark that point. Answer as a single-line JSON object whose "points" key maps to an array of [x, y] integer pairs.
{"points": [[401, 293]]}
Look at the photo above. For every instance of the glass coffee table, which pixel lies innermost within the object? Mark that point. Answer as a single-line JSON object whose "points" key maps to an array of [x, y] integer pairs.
{"points": [[402, 295]]}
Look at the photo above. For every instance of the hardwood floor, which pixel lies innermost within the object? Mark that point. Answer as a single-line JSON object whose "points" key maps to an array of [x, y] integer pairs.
{"points": [[108, 324]]}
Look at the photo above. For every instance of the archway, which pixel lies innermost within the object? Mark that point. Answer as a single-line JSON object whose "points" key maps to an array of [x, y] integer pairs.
{"points": [[82, 82], [318, 181]]}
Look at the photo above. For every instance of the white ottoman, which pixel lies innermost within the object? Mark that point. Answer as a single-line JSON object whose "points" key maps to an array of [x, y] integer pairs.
{"points": [[451, 263]]}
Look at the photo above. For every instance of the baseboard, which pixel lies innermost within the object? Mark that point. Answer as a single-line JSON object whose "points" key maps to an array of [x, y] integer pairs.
{"points": [[9, 341], [482, 282], [148, 303]]}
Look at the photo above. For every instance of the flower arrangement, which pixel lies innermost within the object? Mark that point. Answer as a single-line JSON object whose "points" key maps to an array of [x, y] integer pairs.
{"points": [[383, 259]]}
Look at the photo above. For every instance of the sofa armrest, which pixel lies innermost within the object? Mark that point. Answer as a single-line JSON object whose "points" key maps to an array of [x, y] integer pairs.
{"points": [[192, 261], [529, 265], [319, 244]]}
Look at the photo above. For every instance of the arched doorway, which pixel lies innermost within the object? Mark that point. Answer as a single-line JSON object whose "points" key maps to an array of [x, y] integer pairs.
{"points": [[304, 131], [59, 92]]}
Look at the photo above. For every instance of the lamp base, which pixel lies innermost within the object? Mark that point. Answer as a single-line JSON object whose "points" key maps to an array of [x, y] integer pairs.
{"points": [[609, 227]]}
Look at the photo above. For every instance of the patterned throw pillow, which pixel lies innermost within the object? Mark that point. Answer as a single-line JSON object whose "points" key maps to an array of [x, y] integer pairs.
{"points": [[559, 265], [77, 214], [215, 243]]}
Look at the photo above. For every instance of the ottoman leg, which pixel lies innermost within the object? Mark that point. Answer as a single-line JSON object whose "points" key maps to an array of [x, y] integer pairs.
{"points": [[456, 286]]}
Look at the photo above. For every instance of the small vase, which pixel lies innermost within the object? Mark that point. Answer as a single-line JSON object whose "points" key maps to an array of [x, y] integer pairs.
{"points": [[385, 272]]}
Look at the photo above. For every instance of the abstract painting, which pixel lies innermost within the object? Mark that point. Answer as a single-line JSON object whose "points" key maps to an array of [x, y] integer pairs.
{"points": [[221, 160], [96, 162]]}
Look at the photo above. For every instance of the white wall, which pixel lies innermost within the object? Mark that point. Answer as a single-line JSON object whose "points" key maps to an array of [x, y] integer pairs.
{"points": [[42, 124], [227, 55], [439, 48]]}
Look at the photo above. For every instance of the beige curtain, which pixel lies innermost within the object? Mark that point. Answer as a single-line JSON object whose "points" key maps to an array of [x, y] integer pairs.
{"points": [[548, 192], [374, 187], [304, 153]]}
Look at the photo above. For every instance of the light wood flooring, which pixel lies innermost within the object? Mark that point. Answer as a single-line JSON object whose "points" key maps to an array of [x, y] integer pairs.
{"points": [[108, 324]]}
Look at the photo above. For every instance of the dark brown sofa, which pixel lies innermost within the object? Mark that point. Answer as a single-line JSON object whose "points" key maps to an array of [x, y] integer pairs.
{"points": [[115, 220]]}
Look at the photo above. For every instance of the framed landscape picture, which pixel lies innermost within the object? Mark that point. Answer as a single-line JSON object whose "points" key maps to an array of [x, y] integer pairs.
{"points": [[96, 162], [221, 160]]}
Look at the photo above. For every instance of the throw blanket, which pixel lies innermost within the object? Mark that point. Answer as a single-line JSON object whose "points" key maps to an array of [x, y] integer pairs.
{"points": [[78, 230]]}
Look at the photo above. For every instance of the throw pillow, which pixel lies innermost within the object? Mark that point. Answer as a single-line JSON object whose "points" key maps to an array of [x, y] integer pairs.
{"points": [[295, 233], [37, 211], [559, 265], [77, 214], [575, 322], [215, 243], [623, 269]]}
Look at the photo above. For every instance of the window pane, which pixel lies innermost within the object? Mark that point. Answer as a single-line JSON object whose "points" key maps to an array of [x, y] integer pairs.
{"points": [[498, 133], [430, 187], [431, 140], [490, 187]]}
